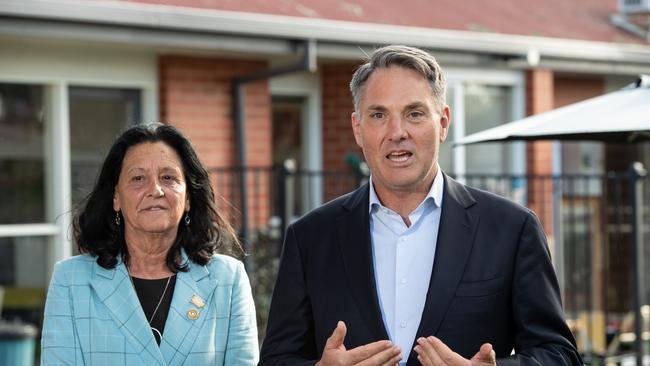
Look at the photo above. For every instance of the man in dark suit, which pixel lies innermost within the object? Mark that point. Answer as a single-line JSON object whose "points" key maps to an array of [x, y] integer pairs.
{"points": [[414, 267]]}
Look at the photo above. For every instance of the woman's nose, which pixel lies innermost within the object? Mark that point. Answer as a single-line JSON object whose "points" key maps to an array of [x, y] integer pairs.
{"points": [[155, 189]]}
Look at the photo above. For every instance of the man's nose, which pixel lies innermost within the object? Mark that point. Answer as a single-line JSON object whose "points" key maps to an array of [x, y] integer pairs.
{"points": [[397, 128]]}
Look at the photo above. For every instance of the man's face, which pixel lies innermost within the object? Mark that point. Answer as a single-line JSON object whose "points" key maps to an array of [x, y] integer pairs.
{"points": [[399, 128]]}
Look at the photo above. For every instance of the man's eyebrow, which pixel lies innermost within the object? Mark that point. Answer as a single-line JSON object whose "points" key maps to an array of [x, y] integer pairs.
{"points": [[376, 107], [415, 105]]}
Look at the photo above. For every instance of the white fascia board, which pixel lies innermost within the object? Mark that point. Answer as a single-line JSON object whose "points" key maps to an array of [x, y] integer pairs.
{"points": [[293, 28], [160, 39]]}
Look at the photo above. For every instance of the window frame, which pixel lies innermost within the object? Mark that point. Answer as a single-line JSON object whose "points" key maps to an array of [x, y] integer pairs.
{"points": [[457, 80], [57, 67]]}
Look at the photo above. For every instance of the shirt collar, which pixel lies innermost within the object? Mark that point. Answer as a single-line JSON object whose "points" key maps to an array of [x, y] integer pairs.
{"points": [[435, 192]]}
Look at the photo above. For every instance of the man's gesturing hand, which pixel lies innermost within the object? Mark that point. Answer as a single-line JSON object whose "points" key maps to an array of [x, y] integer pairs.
{"points": [[377, 353], [432, 352]]}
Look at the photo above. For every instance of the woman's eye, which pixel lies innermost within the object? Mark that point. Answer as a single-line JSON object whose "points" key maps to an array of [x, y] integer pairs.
{"points": [[168, 178], [137, 178]]}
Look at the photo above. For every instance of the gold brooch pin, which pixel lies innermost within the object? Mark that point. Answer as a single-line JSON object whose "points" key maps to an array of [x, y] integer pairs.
{"points": [[197, 301], [193, 314]]}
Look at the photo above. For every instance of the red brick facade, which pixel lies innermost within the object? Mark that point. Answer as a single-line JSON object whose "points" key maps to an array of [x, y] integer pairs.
{"points": [[539, 154], [568, 90], [338, 140], [196, 97]]}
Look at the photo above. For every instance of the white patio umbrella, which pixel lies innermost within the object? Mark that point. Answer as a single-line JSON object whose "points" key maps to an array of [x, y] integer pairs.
{"points": [[620, 116]]}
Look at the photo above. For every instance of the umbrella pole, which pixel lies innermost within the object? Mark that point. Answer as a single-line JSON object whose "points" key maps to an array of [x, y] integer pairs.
{"points": [[637, 172]]}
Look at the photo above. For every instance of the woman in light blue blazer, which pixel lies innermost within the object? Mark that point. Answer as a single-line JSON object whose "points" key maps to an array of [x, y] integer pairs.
{"points": [[149, 288]]}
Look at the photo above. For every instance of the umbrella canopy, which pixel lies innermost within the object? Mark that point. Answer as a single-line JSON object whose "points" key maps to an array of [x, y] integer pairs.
{"points": [[621, 116]]}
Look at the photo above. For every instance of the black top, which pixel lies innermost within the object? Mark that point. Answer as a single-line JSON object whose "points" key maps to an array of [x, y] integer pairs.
{"points": [[149, 293]]}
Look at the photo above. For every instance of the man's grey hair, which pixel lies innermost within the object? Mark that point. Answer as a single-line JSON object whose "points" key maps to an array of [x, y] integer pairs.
{"points": [[403, 56]]}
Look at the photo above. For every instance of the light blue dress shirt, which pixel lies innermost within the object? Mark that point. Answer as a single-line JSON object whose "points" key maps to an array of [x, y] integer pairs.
{"points": [[403, 261]]}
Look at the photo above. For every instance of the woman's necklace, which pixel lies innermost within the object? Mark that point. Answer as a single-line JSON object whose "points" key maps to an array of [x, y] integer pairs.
{"points": [[157, 306]]}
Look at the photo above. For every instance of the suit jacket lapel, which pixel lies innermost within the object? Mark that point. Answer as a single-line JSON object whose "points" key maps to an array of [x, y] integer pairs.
{"points": [[354, 240], [114, 288], [181, 330], [455, 240]]}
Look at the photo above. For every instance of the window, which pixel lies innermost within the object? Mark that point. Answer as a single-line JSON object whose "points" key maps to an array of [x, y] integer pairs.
{"points": [[22, 168], [486, 106], [23, 277], [97, 116]]}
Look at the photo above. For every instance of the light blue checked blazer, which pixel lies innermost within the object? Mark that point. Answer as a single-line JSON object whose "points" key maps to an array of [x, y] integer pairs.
{"points": [[93, 317]]}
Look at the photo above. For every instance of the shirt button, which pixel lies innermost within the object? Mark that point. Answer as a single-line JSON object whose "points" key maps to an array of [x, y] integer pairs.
{"points": [[403, 281], [402, 239], [402, 324]]}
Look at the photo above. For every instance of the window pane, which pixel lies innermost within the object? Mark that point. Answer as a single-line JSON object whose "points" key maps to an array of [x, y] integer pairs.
{"points": [[23, 276], [486, 107], [22, 174], [446, 153], [97, 116]]}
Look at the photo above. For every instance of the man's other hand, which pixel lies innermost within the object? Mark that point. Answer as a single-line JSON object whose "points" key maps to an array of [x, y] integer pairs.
{"points": [[376, 353], [433, 352]]}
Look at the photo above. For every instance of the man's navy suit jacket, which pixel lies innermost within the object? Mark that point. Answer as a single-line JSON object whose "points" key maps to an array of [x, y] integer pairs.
{"points": [[492, 281]]}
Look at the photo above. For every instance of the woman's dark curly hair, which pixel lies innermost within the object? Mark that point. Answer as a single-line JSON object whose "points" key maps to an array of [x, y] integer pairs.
{"points": [[97, 234]]}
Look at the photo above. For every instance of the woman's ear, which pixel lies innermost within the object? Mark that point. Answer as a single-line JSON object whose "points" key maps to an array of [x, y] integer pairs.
{"points": [[116, 201]]}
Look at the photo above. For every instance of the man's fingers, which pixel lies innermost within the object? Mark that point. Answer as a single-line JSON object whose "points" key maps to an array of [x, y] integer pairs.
{"points": [[486, 350], [447, 356], [337, 337], [386, 356], [485, 355], [367, 351], [394, 361], [432, 352], [427, 353]]}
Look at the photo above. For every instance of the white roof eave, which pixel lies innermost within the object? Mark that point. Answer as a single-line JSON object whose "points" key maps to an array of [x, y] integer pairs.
{"points": [[120, 13]]}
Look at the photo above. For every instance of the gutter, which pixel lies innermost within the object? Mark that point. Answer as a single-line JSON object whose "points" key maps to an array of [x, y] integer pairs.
{"points": [[185, 19]]}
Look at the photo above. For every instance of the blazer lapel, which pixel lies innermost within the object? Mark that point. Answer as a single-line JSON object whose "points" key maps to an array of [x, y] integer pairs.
{"points": [[455, 240], [114, 288], [354, 240], [183, 325]]}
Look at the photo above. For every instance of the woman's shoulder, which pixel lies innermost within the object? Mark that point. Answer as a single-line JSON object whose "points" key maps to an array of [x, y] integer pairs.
{"points": [[224, 266], [75, 263], [74, 268]]}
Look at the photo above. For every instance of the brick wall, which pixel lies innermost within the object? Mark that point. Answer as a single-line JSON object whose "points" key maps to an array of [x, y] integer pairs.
{"points": [[569, 89], [338, 140], [539, 154], [196, 97]]}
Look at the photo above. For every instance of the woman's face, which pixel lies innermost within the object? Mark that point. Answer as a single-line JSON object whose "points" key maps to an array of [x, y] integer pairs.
{"points": [[151, 190]]}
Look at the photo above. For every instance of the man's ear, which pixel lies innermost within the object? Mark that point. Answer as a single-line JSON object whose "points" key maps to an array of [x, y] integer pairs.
{"points": [[445, 122], [356, 128]]}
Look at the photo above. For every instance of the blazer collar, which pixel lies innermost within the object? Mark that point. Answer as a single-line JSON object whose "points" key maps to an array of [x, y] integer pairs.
{"points": [[455, 240], [353, 230], [114, 288], [181, 328]]}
